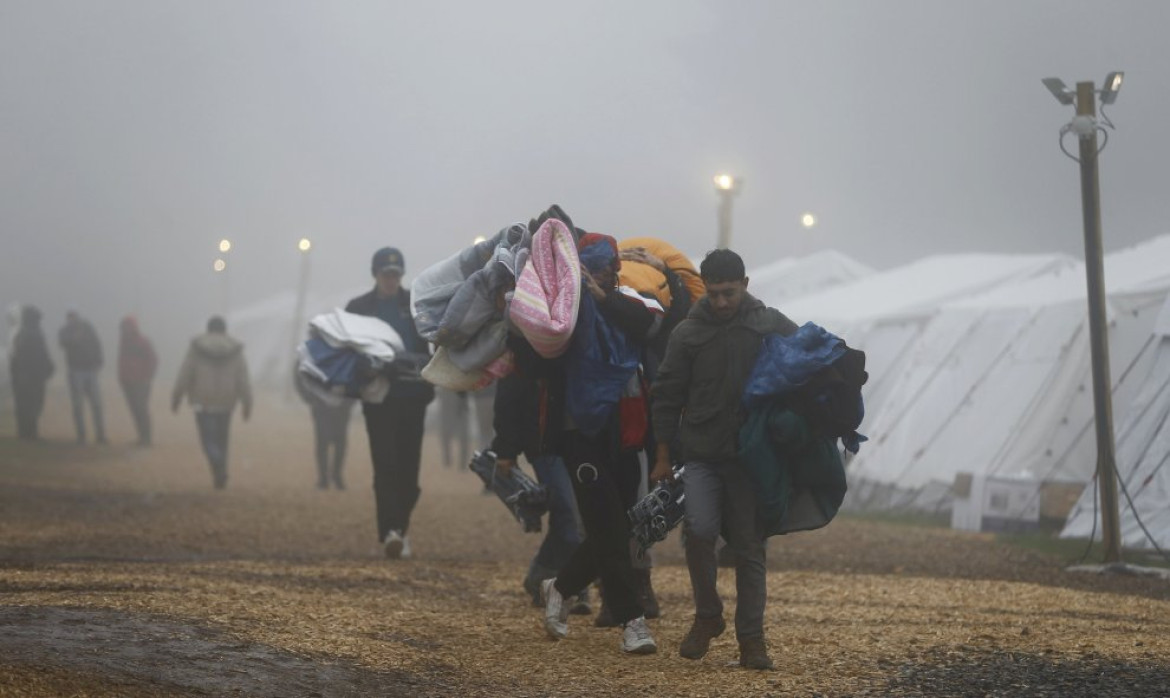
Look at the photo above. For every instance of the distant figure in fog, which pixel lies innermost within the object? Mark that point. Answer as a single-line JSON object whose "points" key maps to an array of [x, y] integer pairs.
{"points": [[454, 426], [484, 400], [83, 359], [29, 366], [330, 429], [214, 377], [137, 363], [395, 425]]}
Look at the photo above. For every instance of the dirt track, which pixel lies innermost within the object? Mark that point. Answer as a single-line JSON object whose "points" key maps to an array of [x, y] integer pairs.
{"points": [[123, 573]]}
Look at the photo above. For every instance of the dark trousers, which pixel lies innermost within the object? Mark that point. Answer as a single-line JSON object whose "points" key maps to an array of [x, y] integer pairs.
{"points": [[330, 427], [395, 429], [605, 487], [138, 399], [213, 435], [30, 402]]}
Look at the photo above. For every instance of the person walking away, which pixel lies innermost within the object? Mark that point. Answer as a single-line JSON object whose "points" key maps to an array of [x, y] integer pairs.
{"points": [[83, 360], [395, 425], [697, 399], [214, 378], [137, 363], [330, 432], [29, 367]]}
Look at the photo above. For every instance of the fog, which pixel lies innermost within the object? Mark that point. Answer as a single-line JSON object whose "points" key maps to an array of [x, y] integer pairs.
{"points": [[135, 135]]}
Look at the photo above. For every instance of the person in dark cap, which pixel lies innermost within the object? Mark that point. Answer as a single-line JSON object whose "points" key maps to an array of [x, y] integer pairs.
{"points": [[395, 425]]}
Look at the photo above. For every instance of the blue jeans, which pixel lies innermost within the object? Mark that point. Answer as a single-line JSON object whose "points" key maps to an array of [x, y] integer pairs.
{"points": [[562, 537], [213, 435], [83, 385]]}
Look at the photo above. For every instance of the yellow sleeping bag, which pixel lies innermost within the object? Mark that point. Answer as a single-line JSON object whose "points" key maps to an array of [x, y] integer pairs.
{"points": [[646, 279]]}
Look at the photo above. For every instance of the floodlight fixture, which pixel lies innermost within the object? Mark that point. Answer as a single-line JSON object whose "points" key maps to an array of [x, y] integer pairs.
{"points": [[219, 265], [724, 182], [1059, 90], [808, 220], [225, 245], [304, 245], [1111, 87]]}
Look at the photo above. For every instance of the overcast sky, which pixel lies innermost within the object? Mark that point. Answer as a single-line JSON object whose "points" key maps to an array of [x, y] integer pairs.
{"points": [[134, 135]]}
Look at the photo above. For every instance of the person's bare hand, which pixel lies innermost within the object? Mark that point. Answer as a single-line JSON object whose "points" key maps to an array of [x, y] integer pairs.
{"points": [[662, 471], [641, 254], [591, 285]]}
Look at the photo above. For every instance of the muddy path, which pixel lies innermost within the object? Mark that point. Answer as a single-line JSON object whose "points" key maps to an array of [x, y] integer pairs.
{"points": [[123, 573]]}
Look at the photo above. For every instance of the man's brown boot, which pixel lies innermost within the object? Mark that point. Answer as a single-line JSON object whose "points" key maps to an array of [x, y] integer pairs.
{"points": [[698, 639], [753, 654]]}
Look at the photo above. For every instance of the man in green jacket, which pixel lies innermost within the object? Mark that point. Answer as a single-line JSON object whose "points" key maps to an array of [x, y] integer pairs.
{"points": [[698, 408]]}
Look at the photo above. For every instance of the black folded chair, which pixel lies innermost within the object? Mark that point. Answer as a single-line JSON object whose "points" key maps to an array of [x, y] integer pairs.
{"points": [[524, 497], [659, 512]]}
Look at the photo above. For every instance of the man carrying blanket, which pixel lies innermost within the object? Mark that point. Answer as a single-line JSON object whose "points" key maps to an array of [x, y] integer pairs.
{"points": [[697, 405], [395, 425]]}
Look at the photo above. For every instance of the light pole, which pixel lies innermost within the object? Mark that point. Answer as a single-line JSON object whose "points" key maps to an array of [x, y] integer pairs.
{"points": [[727, 187], [303, 245], [221, 269], [1085, 127]]}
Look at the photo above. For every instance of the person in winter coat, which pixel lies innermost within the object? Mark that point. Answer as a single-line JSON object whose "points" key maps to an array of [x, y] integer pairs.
{"points": [[30, 367], [395, 425], [214, 378], [137, 363], [83, 359], [697, 400]]}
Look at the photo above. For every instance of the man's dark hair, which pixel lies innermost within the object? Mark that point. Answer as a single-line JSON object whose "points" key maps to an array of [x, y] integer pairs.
{"points": [[217, 324], [720, 266]]}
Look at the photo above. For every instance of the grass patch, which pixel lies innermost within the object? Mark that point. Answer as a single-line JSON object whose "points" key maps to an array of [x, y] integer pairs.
{"points": [[1073, 550], [901, 518]]}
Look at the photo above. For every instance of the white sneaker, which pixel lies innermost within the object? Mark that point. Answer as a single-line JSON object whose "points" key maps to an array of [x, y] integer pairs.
{"points": [[556, 611], [636, 637], [396, 546]]}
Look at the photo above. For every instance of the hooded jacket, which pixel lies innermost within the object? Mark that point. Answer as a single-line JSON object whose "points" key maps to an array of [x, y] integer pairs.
{"points": [[136, 358], [698, 393], [214, 375]]}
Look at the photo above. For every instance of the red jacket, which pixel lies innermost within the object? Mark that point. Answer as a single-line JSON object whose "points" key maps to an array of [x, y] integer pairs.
{"points": [[136, 358]]}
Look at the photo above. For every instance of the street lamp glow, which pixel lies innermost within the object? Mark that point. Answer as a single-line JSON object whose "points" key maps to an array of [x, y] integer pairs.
{"points": [[724, 182], [808, 220], [225, 245], [304, 245], [219, 265], [479, 239]]}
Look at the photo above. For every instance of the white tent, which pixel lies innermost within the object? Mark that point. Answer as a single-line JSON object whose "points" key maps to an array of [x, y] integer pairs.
{"points": [[999, 384], [1142, 456], [793, 277], [883, 314]]}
